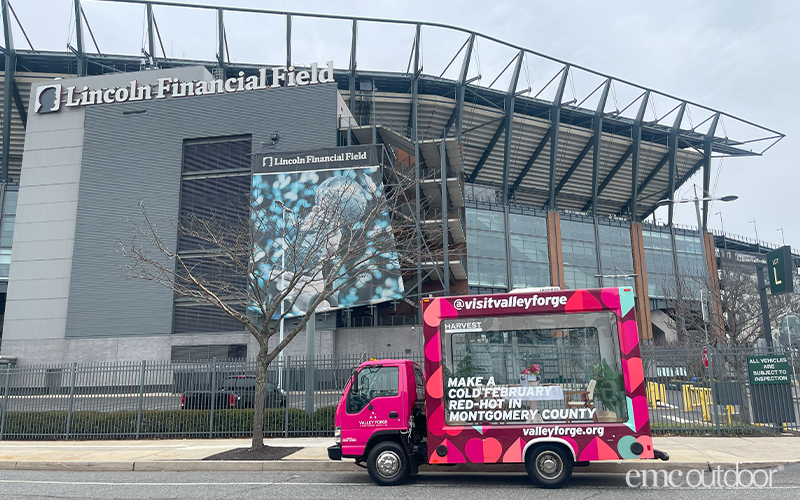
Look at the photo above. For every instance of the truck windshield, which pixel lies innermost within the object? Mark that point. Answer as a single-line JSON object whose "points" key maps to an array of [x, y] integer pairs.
{"points": [[373, 382], [532, 369]]}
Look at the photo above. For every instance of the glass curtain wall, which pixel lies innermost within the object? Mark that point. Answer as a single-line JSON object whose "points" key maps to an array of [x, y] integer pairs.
{"points": [[486, 250], [579, 253], [530, 264], [9, 215], [616, 254], [658, 261], [690, 260]]}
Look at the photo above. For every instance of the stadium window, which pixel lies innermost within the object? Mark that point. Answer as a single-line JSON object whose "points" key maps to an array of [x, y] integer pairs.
{"points": [[216, 181], [208, 352]]}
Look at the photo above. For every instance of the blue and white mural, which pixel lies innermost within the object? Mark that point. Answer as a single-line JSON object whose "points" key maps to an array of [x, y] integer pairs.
{"points": [[327, 192]]}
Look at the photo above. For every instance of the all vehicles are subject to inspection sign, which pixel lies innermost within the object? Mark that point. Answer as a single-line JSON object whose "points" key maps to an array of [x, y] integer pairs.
{"points": [[768, 369]]}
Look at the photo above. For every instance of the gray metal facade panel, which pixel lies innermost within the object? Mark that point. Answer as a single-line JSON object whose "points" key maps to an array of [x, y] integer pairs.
{"points": [[133, 158]]}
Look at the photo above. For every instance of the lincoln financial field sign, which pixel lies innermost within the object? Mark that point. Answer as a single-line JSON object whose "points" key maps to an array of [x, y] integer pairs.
{"points": [[324, 188], [50, 98]]}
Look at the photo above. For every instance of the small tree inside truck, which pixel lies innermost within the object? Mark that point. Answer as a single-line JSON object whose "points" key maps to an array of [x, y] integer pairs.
{"points": [[549, 379]]}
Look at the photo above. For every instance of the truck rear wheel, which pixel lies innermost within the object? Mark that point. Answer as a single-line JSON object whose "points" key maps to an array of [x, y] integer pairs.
{"points": [[548, 465], [387, 464]]}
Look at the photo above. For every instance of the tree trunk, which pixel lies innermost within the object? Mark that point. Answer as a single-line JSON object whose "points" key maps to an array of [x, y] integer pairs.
{"points": [[258, 403]]}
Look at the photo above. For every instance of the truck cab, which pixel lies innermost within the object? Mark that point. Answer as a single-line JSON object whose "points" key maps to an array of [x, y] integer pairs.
{"points": [[380, 419]]}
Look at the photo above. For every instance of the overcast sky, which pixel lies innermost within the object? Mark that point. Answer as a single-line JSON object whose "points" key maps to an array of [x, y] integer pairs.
{"points": [[739, 57]]}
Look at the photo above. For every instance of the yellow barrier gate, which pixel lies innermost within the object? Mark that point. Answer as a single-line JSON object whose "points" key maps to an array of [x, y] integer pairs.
{"points": [[656, 393], [701, 396]]}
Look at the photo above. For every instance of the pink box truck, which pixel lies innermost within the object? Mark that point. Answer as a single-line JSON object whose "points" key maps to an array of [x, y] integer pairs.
{"points": [[551, 379]]}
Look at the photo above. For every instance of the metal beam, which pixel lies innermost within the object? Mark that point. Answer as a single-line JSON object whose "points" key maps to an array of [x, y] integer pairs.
{"points": [[597, 123], [574, 166], [685, 177], [288, 40], [11, 64], [151, 36], [81, 69], [530, 161], [512, 89], [451, 120], [220, 39], [555, 120], [436, 25], [673, 160], [23, 115], [707, 150], [637, 147], [353, 65], [609, 177], [461, 86], [646, 181], [445, 217], [487, 152], [417, 70], [418, 186]]}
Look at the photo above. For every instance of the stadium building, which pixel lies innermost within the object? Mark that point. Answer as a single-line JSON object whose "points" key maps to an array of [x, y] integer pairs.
{"points": [[524, 185]]}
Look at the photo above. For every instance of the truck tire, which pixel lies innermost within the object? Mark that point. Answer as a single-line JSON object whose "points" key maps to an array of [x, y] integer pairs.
{"points": [[387, 464], [548, 465]]}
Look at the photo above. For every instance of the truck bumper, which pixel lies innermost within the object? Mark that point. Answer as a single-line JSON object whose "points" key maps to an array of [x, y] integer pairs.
{"points": [[335, 452]]}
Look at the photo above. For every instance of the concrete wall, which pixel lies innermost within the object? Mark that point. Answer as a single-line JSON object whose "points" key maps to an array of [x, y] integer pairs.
{"points": [[84, 171], [44, 235], [386, 339]]}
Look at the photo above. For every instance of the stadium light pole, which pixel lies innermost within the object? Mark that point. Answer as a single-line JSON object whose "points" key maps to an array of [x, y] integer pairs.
{"points": [[696, 200]]}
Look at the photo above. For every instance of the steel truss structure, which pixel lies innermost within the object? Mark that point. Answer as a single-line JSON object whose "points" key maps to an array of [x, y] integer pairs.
{"points": [[590, 154]]}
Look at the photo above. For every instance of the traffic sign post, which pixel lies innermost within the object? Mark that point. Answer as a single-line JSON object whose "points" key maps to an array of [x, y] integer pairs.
{"points": [[779, 267], [779, 272], [762, 294]]}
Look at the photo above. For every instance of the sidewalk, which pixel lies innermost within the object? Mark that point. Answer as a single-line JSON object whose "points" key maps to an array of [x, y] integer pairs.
{"points": [[187, 454]]}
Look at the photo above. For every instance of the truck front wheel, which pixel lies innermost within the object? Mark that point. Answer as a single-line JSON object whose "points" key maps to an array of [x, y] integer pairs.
{"points": [[549, 466], [387, 464]]}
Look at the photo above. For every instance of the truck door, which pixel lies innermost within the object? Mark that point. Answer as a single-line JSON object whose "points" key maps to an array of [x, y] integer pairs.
{"points": [[377, 405]]}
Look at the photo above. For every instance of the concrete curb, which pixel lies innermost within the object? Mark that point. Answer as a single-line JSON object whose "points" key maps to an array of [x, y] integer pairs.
{"points": [[610, 467]]}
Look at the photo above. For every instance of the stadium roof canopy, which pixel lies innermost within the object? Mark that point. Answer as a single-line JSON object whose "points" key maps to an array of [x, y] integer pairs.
{"points": [[529, 135]]}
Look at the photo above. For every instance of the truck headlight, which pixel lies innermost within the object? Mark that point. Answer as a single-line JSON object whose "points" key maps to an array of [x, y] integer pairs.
{"points": [[337, 435]]}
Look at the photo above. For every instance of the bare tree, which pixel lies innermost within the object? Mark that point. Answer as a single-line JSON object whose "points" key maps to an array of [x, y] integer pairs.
{"points": [[252, 263], [734, 308]]}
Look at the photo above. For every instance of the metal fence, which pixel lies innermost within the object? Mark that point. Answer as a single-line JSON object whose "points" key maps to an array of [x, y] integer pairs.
{"points": [[690, 391], [144, 399]]}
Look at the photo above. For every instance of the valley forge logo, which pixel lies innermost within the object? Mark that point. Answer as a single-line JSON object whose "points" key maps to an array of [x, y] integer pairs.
{"points": [[49, 97]]}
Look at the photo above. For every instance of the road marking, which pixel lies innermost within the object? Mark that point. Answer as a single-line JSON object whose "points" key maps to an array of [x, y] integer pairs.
{"points": [[109, 483], [276, 483]]}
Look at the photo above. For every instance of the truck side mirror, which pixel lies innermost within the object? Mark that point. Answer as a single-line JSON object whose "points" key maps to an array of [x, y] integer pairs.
{"points": [[354, 386]]}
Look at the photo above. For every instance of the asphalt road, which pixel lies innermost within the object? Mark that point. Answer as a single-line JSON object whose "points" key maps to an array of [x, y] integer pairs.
{"points": [[339, 485]]}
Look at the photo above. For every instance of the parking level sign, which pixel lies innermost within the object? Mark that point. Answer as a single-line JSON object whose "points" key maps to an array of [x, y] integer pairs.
{"points": [[779, 268]]}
